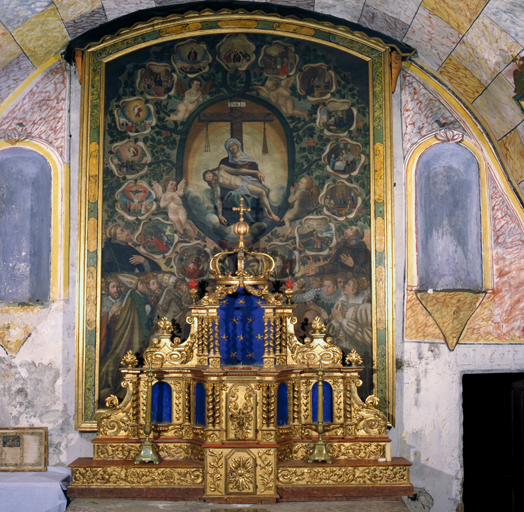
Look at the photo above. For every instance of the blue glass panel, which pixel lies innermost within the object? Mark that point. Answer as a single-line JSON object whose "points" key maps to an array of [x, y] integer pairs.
{"points": [[327, 402], [200, 404], [241, 328], [161, 403], [25, 225], [449, 236], [282, 405]]}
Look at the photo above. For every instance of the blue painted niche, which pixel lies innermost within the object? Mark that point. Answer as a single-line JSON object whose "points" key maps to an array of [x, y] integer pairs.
{"points": [[282, 405], [449, 236], [161, 403], [25, 225], [200, 404]]}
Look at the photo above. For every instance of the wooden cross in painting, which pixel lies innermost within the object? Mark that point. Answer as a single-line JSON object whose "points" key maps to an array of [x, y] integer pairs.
{"points": [[236, 117]]}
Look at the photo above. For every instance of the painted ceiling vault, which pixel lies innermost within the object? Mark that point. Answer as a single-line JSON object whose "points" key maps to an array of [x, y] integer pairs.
{"points": [[469, 47]]}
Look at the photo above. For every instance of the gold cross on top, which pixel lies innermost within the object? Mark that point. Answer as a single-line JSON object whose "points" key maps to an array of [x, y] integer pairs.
{"points": [[241, 209]]}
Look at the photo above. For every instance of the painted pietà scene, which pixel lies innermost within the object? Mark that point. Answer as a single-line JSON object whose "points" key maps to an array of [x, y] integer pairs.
{"points": [[191, 126]]}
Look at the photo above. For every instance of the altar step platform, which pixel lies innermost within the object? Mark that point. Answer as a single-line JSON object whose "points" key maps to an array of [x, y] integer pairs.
{"points": [[297, 481], [110, 505]]}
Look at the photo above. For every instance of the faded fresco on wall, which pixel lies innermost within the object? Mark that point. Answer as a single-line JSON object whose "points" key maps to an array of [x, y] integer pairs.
{"points": [[495, 318], [193, 127], [449, 237]]}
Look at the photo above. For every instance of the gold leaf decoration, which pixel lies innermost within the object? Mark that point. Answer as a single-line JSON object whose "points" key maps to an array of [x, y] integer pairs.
{"points": [[451, 311], [380, 234], [92, 191], [91, 297], [381, 297], [92, 234], [379, 172]]}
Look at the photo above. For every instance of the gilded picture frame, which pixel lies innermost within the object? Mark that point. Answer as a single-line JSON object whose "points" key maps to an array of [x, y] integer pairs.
{"points": [[161, 103], [23, 449]]}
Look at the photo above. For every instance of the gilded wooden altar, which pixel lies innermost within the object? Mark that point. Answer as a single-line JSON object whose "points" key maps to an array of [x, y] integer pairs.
{"points": [[243, 452]]}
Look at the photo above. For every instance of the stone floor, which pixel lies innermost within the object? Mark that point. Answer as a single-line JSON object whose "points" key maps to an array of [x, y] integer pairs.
{"points": [[106, 505]]}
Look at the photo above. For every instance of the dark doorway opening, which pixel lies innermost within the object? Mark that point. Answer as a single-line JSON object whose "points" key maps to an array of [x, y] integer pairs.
{"points": [[493, 406]]}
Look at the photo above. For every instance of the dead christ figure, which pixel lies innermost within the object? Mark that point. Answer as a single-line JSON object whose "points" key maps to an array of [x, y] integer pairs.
{"points": [[238, 172]]}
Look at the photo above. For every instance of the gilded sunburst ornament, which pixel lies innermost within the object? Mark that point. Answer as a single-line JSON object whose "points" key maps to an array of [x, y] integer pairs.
{"points": [[242, 472]]}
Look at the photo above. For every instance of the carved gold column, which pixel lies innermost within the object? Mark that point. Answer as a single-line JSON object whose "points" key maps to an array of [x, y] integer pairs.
{"points": [[266, 340], [265, 405], [210, 410], [296, 401], [214, 343], [187, 403], [272, 388], [268, 423], [213, 411], [306, 391], [217, 405]]}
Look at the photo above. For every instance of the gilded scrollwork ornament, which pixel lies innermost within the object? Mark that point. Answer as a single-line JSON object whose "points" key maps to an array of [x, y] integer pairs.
{"points": [[316, 349], [120, 451], [368, 420], [110, 475], [215, 466], [266, 470], [118, 420], [165, 353], [241, 409], [357, 450], [343, 475]]}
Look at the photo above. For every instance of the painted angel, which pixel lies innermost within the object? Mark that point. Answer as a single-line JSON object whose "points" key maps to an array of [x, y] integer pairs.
{"points": [[172, 200], [278, 92], [192, 97]]}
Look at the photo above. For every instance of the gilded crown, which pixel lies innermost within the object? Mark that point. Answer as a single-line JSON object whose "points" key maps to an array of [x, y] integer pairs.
{"points": [[252, 268]]}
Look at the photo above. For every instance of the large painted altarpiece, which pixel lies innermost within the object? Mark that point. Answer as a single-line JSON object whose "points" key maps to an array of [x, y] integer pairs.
{"points": [[186, 120]]}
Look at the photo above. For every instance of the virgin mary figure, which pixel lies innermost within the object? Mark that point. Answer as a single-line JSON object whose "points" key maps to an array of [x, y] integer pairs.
{"points": [[238, 175]]}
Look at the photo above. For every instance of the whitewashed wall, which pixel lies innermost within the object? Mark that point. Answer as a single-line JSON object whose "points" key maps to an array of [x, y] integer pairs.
{"points": [[37, 384], [429, 415]]}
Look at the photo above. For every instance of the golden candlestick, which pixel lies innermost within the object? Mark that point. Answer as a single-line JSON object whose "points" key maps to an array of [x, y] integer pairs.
{"points": [[320, 453], [148, 450]]}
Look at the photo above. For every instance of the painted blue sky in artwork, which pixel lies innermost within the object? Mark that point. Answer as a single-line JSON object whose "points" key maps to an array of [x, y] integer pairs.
{"points": [[449, 237], [25, 225], [15, 12]]}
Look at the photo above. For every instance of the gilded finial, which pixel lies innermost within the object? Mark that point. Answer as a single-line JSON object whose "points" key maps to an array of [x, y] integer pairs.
{"points": [[353, 359], [129, 359], [241, 209], [318, 326], [166, 326]]}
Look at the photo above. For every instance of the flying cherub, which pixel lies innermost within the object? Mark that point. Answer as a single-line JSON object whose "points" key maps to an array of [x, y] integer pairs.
{"points": [[192, 97], [172, 200], [278, 92]]}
